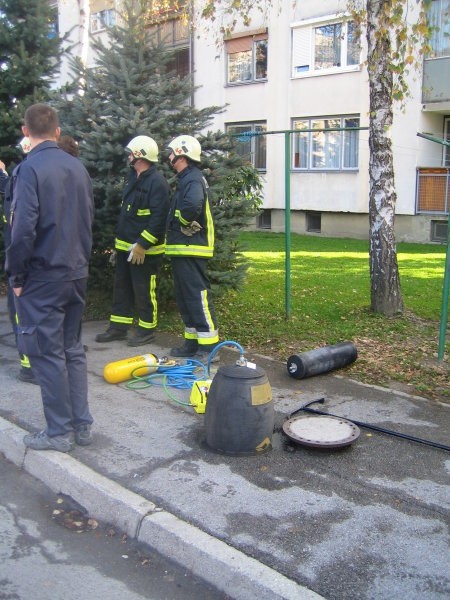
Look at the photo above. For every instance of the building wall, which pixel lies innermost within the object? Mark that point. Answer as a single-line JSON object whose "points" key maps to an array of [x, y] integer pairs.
{"points": [[342, 197]]}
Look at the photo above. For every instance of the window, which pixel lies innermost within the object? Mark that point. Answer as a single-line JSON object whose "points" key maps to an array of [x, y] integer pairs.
{"points": [[446, 149], [174, 33], [252, 148], [438, 18], [320, 145], [439, 231], [326, 47], [247, 59], [265, 219], [314, 222], [102, 19]]}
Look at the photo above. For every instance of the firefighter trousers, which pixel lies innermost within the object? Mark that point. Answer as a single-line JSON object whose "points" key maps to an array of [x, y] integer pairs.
{"points": [[135, 289], [193, 297]]}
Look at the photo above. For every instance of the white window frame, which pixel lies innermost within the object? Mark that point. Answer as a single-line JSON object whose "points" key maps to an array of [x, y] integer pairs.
{"points": [[446, 149], [248, 61], [438, 18], [102, 19], [252, 141], [320, 146], [303, 47]]}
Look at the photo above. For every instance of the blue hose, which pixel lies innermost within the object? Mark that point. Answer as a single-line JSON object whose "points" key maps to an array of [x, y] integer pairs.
{"points": [[180, 376]]}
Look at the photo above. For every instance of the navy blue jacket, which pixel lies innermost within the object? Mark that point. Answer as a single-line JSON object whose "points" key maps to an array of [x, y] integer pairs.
{"points": [[190, 202], [51, 218], [143, 213]]}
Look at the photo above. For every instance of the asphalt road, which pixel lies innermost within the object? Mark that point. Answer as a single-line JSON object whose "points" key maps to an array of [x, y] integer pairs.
{"points": [[50, 551]]}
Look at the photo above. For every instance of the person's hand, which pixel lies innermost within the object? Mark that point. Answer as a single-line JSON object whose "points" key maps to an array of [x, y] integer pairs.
{"points": [[137, 254], [17, 291], [191, 229], [2, 166]]}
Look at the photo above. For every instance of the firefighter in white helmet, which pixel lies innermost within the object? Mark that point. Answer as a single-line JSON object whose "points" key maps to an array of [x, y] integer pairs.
{"points": [[189, 244], [139, 246]]}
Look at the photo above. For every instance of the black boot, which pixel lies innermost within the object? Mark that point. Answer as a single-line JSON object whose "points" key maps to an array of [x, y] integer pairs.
{"points": [[111, 334], [203, 352], [189, 348]]}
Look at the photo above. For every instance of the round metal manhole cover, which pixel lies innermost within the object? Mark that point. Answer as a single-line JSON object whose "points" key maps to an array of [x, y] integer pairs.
{"points": [[321, 432]]}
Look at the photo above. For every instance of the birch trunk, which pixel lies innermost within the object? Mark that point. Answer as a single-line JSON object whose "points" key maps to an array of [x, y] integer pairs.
{"points": [[386, 297]]}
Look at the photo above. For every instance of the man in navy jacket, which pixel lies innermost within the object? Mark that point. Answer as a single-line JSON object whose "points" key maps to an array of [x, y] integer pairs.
{"points": [[47, 265]]}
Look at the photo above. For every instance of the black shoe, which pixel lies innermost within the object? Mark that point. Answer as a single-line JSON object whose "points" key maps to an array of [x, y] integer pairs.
{"points": [[140, 338], [111, 334], [83, 434], [204, 351], [26, 376], [188, 349]]}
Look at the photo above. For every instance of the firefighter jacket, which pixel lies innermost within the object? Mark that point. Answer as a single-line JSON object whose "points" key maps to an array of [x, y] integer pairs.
{"points": [[143, 213], [51, 218], [190, 203]]}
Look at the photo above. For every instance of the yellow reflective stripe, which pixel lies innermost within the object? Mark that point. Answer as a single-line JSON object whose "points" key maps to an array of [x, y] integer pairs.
{"points": [[206, 311], [25, 361], [143, 212], [185, 250], [125, 247], [122, 245], [122, 320], [148, 236], [209, 225], [152, 295], [4, 219], [180, 218], [190, 333], [156, 249]]}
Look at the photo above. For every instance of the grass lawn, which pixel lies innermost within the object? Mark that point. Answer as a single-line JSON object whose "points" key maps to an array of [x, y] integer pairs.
{"points": [[329, 303]]}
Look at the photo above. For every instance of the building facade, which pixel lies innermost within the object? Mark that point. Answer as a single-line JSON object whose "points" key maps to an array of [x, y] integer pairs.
{"points": [[296, 96]]}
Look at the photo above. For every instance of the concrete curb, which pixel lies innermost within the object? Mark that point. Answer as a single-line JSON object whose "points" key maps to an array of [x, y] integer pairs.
{"points": [[231, 571]]}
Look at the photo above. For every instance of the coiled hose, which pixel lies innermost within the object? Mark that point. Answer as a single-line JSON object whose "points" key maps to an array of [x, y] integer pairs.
{"points": [[181, 376]]}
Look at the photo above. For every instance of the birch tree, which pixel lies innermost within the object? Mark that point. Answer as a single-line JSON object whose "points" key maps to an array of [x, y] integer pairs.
{"points": [[395, 45]]}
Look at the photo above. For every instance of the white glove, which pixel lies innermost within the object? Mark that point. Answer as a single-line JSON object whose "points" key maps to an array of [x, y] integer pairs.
{"points": [[130, 255]]}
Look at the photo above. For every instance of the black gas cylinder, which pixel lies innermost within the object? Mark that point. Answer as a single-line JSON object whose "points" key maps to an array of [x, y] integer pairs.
{"points": [[239, 415], [321, 360]]}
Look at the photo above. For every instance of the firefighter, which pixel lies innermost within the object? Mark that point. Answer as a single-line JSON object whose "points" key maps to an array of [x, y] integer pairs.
{"points": [[139, 246], [190, 244]]}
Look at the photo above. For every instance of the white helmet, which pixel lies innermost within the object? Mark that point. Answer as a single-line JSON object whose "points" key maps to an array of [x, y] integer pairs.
{"points": [[186, 145], [144, 147], [25, 145]]}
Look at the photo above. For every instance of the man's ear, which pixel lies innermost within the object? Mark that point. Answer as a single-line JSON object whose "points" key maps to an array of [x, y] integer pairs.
{"points": [[58, 133], [25, 131]]}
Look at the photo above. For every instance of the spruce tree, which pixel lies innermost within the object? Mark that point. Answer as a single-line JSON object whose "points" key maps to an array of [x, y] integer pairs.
{"points": [[29, 59], [133, 92]]}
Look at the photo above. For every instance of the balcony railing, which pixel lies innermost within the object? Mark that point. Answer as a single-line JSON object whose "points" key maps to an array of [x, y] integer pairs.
{"points": [[433, 190]]}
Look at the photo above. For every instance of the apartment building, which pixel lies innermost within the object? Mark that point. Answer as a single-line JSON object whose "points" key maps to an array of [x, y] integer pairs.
{"points": [[290, 74]]}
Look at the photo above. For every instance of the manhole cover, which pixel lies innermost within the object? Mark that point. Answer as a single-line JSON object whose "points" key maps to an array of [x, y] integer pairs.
{"points": [[321, 432]]}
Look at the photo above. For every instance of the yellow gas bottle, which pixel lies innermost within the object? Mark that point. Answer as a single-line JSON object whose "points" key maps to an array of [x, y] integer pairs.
{"points": [[136, 366]]}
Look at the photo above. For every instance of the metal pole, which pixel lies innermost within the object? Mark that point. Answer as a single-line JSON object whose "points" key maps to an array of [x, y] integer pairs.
{"points": [[287, 222], [446, 284]]}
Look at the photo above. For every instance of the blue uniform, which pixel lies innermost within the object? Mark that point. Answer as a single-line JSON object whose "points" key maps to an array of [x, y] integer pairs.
{"points": [[189, 255], [48, 255]]}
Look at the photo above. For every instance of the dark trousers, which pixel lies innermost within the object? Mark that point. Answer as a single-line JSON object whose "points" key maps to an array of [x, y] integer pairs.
{"points": [[49, 333], [135, 289], [193, 297]]}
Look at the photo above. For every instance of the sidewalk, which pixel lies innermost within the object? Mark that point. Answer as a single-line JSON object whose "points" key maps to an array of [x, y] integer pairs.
{"points": [[366, 521]]}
